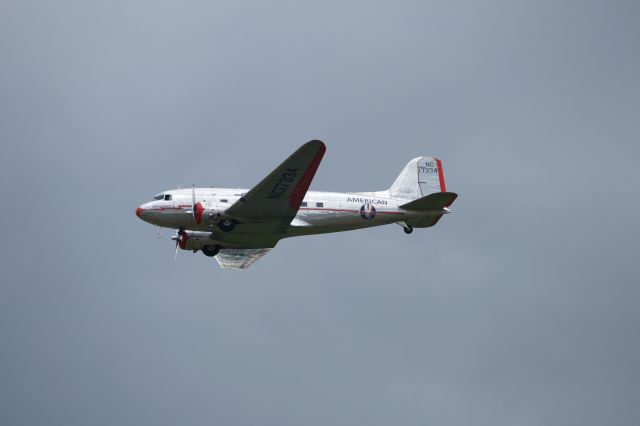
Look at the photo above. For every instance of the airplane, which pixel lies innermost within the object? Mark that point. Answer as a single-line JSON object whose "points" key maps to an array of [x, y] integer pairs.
{"points": [[239, 226]]}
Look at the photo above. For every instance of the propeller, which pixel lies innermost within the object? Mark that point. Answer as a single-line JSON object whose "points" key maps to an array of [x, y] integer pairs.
{"points": [[193, 202], [181, 241], [196, 208], [175, 256]]}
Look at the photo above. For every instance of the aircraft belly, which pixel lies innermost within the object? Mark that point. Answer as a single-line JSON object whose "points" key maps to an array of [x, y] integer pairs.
{"points": [[332, 221], [196, 240], [169, 218], [232, 240]]}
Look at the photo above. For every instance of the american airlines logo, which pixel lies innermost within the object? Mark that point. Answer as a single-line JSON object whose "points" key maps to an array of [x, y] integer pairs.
{"points": [[367, 211]]}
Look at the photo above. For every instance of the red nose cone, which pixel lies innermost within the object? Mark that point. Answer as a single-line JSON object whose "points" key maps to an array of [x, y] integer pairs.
{"points": [[139, 211]]}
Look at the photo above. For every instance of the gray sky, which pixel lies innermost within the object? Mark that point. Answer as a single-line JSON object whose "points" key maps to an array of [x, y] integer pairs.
{"points": [[521, 308]]}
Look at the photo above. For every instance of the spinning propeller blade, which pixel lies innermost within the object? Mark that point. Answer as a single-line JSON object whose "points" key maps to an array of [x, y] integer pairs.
{"points": [[196, 207], [193, 202], [180, 242]]}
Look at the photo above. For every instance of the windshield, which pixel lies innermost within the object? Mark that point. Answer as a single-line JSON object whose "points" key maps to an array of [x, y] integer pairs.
{"points": [[166, 197]]}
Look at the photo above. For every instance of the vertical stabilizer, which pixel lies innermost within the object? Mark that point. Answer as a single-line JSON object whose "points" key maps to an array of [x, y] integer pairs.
{"points": [[421, 176]]}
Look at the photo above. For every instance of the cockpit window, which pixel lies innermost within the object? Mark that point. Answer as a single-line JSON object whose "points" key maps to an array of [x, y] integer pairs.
{"points": [[166, 197]]}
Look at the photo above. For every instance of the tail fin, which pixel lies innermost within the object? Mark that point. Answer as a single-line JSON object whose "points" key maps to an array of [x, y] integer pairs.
{"points": [[420, 177]]}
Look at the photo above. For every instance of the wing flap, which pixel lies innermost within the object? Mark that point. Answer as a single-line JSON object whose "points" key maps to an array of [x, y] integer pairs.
{"points": [[239, 258]]}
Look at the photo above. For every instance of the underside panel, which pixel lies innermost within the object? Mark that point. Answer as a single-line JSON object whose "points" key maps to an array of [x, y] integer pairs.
{"points": [[239, 258], [424, 222]]}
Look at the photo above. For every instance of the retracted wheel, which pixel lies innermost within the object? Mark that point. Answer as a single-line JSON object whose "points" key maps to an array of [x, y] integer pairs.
{"points": [[210, 250], [408, 229], [227, 225]]}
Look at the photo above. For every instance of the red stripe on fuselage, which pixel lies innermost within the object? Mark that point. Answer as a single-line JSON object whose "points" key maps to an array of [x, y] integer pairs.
{"points": [[332, 210], [344, 210], [302, 208]]}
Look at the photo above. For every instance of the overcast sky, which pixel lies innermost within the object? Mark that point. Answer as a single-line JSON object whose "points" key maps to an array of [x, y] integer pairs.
{"points": [[520, 308]]}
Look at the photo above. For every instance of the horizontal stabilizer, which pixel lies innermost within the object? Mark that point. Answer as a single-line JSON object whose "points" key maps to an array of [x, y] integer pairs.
{"points": [[436, 201]]}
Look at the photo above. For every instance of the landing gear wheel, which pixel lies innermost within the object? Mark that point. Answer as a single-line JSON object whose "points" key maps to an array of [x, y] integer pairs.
{"points": [[227, 225], [210, 250], [408, 229]]}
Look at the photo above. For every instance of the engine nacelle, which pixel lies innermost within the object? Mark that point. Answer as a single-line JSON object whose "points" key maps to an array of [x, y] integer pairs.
{"points": [[194, 240]]}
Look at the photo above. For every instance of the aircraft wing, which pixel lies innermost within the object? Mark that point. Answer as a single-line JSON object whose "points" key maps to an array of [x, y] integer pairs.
{"points": [[279, 195], [239, 258]]}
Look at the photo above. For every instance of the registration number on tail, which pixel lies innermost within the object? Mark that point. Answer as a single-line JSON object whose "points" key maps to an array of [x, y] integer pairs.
{"points": [[429, 167]]}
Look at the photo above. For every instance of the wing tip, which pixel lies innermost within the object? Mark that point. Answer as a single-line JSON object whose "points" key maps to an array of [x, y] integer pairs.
{"points": [[321, 145]]}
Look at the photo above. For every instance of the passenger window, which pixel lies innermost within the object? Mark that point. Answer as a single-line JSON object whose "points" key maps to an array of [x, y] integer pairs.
{"points": [[319, 204], [304, 204], [223, 200]]}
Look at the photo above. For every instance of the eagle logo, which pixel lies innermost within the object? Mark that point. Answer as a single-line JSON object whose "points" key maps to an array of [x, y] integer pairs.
{"points": [[367, 211]]}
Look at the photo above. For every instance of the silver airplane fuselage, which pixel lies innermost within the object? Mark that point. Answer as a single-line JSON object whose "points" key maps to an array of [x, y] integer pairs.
{"points": [[320, 212]]}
